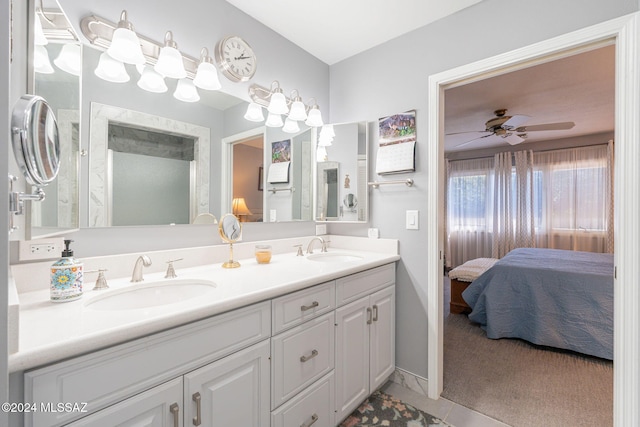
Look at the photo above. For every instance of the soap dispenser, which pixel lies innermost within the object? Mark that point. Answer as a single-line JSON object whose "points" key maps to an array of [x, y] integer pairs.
{"points": [[66, 277]]}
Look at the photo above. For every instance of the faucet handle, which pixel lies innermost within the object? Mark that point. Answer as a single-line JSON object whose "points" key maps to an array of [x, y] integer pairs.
{"points": [[324, 245], [300, 253], [101, 281], [171, 272]]}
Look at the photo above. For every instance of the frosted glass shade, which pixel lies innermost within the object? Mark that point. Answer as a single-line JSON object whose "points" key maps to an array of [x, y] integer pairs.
{"points": [[254, 113], [290, 126], [321, 154], [314, 118], [151, 81], [298, 111], [278, 104], [41, 63], [324, 141], [40, 39], [207, 77], [186, 91], [170, 63], [111, 70], [274, 121], [328, 130], [125, 47], [70, 59]]}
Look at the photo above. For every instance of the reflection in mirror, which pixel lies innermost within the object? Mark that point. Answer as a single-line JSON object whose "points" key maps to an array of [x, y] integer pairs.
{"points": [[56, 68], [247, 195], [230, 231], [342, 173]]}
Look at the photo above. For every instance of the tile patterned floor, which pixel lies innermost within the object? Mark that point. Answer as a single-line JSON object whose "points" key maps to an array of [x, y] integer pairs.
{"points": [[449, 412]]}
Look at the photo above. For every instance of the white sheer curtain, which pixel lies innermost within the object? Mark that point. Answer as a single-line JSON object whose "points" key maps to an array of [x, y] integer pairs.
{"points": [[513, 225], [469, 218], [574, 208]]}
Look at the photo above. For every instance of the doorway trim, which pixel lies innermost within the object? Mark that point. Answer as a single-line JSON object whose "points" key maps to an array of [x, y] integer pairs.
{"points": [[624, 32]]}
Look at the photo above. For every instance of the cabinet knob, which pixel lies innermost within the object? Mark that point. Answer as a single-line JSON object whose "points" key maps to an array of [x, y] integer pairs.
{"points": [[197, 420], [314, 418], [175, 410]]}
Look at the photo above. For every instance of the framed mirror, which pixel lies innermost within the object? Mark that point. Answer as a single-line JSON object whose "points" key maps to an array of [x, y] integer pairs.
{"points": [[230, 231]]}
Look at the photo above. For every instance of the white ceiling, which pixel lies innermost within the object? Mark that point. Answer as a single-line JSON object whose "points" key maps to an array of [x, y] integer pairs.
{"points": [[579, 89], [333, 30]]}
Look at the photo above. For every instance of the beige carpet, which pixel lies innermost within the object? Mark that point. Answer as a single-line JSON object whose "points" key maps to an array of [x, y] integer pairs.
{"points": [[523, 385]]}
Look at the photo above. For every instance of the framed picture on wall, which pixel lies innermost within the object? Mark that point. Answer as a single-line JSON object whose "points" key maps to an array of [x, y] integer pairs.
{"points": [[396, 143], [281, 151], [260, 178]]}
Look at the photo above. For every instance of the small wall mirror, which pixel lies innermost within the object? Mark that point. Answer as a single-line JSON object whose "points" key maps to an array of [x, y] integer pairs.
{"points": [[36, 144], [230, 231], [350, 202]]}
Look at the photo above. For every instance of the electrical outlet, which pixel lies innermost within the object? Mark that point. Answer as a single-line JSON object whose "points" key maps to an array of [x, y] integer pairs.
{"points": [[30, 250], [321, 229]]}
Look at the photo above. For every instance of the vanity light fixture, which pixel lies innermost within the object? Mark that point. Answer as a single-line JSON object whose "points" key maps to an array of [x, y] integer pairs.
{"points": [[326, 136], [186, 91], [41, 63], [125, 45], [314, 118], [274, 121], [170, 62], [151, 81], [70, 59], [254, 113], [290, 126], [111, 70], [207, 74], [278, 102], [298, 109]]}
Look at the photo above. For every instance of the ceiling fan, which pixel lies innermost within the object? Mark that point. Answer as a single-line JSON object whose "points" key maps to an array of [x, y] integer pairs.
{"points": [[512, 128]]}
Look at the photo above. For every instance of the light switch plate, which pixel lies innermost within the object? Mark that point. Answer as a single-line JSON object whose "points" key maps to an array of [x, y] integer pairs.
{"points": [[374, 233], [413, 220], [272, 215], [321, 229]]}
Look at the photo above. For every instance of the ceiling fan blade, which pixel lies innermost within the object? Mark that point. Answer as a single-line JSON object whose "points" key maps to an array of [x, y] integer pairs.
{"points": [[470, 131], [513, 139], [546, 126], [474, 139], [515, 121]]}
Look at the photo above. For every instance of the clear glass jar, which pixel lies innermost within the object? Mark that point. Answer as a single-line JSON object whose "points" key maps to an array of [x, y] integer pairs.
{"points": [[263, 254]]}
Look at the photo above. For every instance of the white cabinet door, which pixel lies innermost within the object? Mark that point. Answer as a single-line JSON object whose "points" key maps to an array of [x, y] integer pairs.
{"points": [[160, 406], [233, 391], [382, 336], [352, 356]]}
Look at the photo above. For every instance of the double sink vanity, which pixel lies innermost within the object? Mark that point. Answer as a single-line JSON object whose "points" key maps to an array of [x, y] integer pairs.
{"points": [[300, 341]]}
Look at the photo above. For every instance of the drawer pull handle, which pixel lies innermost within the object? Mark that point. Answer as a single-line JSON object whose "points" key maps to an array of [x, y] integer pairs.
{"points": [[375, 313], [368, 315], [309, 307], [314, 418], [197, 420], [175, 410], [313, 354]]}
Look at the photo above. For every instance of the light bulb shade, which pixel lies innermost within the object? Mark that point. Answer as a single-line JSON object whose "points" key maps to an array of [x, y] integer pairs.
{"points": [[298, 111], [327, 130], [314, 119], [41, 63], [274, 121], [186, 91], [324, 141], [152, 81], [111, 70], [207, 77], [321, 154], [254, 113], [290, 126], [70, 59], [239, 207], [125, 47], [170, 63], [278, 103], [39, 38]]}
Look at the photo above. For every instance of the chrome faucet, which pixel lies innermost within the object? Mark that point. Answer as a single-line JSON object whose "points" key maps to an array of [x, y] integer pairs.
{"points": [[321, 240], [143, 260]]}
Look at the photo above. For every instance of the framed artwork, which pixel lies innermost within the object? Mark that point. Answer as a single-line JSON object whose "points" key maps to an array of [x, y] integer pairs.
{"points": [[260, 178], [396, 143], [281, 151]]}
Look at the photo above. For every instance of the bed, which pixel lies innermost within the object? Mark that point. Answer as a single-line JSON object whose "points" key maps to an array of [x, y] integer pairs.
{"points": [[549, 297]]}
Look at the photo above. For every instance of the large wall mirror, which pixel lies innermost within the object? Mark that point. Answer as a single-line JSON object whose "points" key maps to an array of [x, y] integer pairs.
{"points": [[107, 127]]}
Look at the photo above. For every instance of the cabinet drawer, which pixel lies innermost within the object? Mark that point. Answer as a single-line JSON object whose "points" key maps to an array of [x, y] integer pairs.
{"points": [[107, 376], [357, 285], [313, 405], [295, 308], [300, 356]]}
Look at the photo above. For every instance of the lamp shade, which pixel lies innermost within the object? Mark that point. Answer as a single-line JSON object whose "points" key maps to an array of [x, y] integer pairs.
{"points": [[298, 111], [170, 63], [207, 73], [290, 126], [186, 91], [314, 118], [70, 59], [41, 63], [274, 121], [125, 45], [239, 207], [254, 113], [151, 81], [111, 70], [278, 103]]}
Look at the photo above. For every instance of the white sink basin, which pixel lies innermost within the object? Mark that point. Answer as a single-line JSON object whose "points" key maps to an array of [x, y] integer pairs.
{"points": [[333, 257], [152, 294]]}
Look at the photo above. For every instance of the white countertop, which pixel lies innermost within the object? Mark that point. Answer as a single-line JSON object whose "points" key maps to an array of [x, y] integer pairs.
{"points": [[50, 332]]}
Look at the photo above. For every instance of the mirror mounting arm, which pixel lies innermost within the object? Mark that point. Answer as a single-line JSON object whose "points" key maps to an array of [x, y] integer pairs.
{"points": [[16, 200]]}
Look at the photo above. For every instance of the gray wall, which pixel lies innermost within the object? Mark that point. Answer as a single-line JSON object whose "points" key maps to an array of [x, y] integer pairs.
{"points": [[393, 77]]}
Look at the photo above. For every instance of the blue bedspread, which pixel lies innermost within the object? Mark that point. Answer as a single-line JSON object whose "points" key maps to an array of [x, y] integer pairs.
{"points": [[550, 297]]}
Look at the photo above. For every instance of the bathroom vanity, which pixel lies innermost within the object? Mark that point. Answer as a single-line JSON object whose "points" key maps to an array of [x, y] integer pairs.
{"points": [[300, 341]]}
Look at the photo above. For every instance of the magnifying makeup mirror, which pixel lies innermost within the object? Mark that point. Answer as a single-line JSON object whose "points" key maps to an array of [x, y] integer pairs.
{"points": [[230, 230]]}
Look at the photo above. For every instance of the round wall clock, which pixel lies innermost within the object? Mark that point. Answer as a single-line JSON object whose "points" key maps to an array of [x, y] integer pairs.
{"points": [[236, 59]]}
